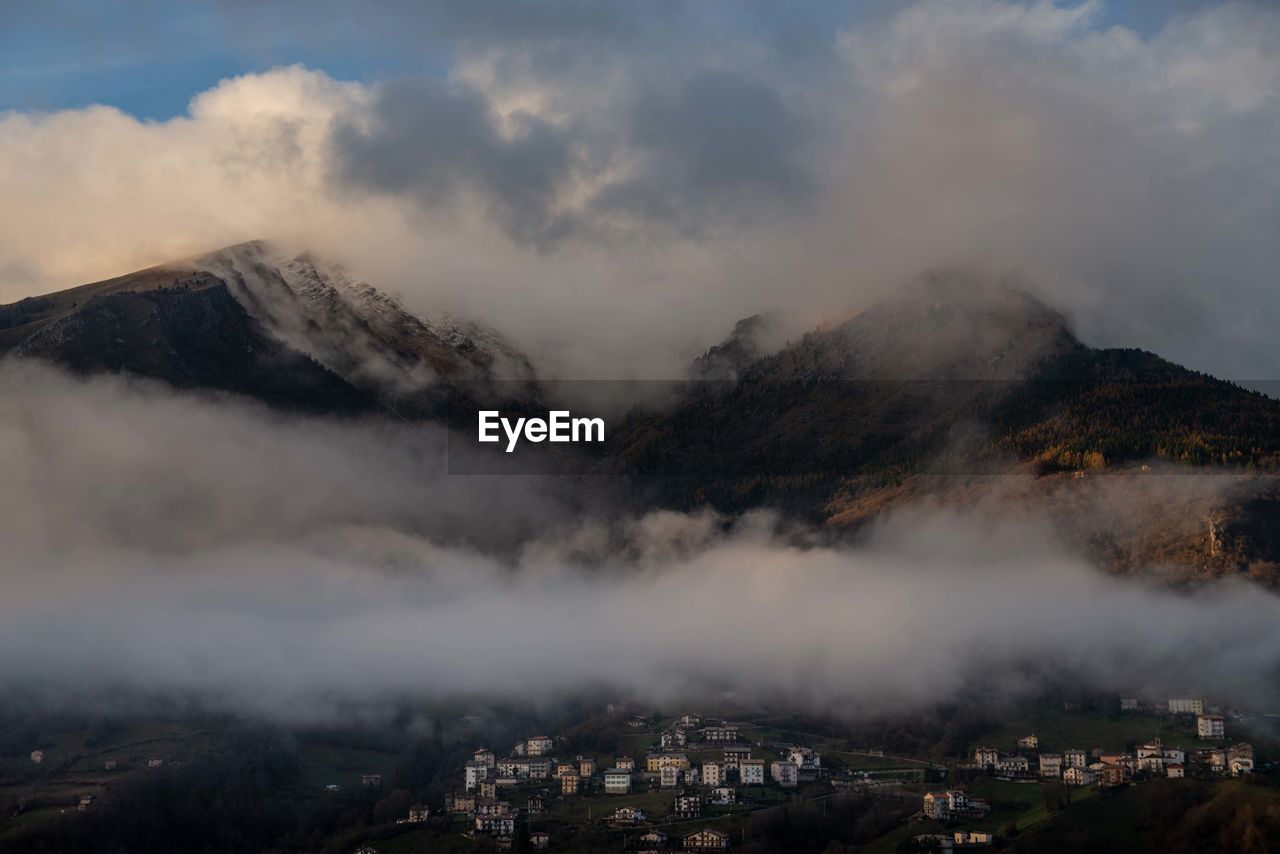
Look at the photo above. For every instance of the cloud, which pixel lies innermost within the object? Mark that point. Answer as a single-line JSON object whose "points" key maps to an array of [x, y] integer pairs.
{"points": [[716, 148], [613, 187], [438, 142], [163, 544]]}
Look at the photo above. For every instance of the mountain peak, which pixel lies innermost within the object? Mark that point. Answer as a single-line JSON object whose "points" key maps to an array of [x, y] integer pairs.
{"points": [[750, 339], [947, 324], [356, 330], [256, 298]]}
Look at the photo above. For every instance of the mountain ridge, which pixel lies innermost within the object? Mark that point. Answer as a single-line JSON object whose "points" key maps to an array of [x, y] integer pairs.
{"points": [[338, 340], [918, 398]]}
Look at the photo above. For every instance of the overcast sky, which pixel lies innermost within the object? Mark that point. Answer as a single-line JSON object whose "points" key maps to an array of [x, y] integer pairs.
{"points": [[613, 184]]}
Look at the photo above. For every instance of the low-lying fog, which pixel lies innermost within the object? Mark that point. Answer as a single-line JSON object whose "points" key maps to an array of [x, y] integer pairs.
{"points": [[188, 546]]}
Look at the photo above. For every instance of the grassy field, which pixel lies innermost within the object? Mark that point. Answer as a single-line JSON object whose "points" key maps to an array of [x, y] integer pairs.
{"points": [[1060, 730], [1117, 821], [656, 804], [323, 764]]}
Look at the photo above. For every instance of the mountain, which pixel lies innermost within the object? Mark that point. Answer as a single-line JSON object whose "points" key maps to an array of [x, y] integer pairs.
{"points": [[285, 329], [943, 392], [957, 391], [746, 343]]}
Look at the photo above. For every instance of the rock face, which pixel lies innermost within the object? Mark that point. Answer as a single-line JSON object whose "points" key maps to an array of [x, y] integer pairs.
{"points": [[288, 330]]}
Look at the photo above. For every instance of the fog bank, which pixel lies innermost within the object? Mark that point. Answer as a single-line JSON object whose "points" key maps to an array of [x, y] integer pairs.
{"points": [[179, 546]]}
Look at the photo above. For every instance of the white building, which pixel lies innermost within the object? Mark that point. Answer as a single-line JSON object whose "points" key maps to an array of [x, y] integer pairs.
{"points": [[484, 755], [617, 781], [475, 772], [984, 756], [496, 825], [1128, 704], [1074, 776], [1013, 765], [1186, 705], [669, 776], [751, 772], [1030, 742], [1050, 765], [724, 796], [713, 773], [688, 806], [1211, 726], [950, 804], [1173, 769], [705, 840], [37, 756], [1075, 759], [805, 759], [1240, 765], [785, 773], [539, 745], [627, 815], [719, 734], [1151, 748]]}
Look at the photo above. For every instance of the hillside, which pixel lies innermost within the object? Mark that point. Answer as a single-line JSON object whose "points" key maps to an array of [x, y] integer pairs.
{"points": [[943, 393], [936, 396], [287, 330]]}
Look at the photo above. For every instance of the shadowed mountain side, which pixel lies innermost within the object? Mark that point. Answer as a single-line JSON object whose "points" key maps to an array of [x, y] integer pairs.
{"points": [[192, 335], [286, 330]]}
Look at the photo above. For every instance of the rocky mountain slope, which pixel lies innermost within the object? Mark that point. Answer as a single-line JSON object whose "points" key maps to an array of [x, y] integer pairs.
{"points": [[957, 392], [287, 330]]}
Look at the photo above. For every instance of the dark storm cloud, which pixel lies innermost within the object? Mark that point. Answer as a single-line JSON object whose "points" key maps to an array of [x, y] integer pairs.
{"points": [[718, 145], [436, 142], [684, 155]]}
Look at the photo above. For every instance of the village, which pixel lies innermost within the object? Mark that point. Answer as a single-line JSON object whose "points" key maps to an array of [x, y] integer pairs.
{"points": [[699, 771], [699, 766], [609, 779], [1034, 761]]}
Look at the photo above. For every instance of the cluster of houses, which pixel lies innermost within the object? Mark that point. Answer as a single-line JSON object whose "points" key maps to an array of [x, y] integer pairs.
{"points": [[694, 784], [1172, 706], [953, 804], [961, 839], [1153, 759], [1078, 768]]}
